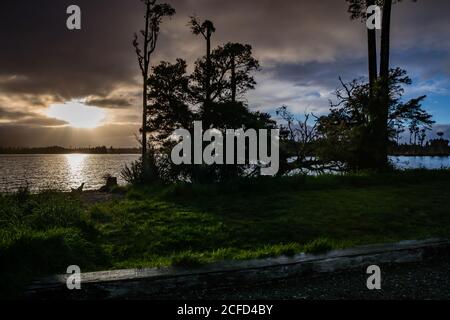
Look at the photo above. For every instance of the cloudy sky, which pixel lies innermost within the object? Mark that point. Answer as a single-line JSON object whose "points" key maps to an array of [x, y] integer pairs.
{"points": [[49, 74]]}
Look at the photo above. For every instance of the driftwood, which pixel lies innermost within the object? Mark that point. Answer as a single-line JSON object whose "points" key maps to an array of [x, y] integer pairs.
{"points": [[79, 189]]}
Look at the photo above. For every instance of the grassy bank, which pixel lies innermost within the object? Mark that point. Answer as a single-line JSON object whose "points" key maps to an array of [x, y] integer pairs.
{"points": [[189, 225]]}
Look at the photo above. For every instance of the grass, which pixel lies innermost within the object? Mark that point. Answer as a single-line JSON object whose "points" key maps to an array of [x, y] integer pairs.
{"points": [[185, 225]]}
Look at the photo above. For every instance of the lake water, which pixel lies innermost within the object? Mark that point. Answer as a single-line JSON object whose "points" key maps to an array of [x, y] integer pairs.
{"points": [[60, 172], [421, 162], [63, 172]]}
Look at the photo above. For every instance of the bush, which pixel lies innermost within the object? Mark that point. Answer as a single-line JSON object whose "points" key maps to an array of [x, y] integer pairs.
{"points": [[138, 173]]}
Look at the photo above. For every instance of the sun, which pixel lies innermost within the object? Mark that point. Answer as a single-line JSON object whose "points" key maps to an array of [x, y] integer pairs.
{"points": [[77, 114]]}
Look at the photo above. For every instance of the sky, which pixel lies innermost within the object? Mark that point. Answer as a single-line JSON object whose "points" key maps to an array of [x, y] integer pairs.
{"points": [[82, 87]]}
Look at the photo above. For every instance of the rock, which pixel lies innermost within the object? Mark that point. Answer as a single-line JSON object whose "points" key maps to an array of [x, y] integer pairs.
{"points": [[110, 183]]}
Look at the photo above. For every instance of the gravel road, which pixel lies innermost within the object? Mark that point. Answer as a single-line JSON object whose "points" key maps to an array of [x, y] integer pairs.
{"points": [[423, 281]]}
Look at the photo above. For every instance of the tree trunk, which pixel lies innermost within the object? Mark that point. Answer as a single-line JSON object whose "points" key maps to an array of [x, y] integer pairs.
{"points": [[372, 53], [144, 120], [233, 78], [369, 147], [146, 64], [385, 39], [383, 140], [208, 65]]}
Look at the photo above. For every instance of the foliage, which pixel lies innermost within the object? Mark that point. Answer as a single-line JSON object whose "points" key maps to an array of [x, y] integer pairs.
{"points": [[142, 172], [345, 132], [168, 94], [230, 70], [210, 94], [154, 13]]}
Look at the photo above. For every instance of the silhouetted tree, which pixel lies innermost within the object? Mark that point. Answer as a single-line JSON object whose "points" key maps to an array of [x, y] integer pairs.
{"points": [[297, 143], [218, 80], [154, 13], [242, 64], [230, 76], [206, 29], [382, 119], [371, 133], [230, 73], [399, 129], [378, 132], [168, 96], [423, 136], [357, 10], [344, 129]]}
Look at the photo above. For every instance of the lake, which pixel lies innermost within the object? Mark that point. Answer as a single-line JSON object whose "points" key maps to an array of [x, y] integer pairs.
{"points": [[67, 171], [60, 171], [421, 162]]}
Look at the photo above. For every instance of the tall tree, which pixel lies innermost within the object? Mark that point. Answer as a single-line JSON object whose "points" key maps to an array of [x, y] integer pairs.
{"points": [[342, 130], [168, 96], [372, 53], [241, 64], [230, 73], [382, 126], [358, 10], [154, 13], [379, 101], [206, 29], [382, 118]]}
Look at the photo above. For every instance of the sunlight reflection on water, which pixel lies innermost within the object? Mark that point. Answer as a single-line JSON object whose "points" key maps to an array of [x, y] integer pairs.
{"points": [[60, 172], [75, 163]]}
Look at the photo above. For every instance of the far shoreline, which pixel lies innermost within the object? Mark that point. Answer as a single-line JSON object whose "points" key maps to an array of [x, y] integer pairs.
{"points": [[83, 153], [62, 150], [138, 152]]}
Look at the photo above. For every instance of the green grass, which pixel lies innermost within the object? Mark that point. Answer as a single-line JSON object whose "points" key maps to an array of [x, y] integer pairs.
{"points": [[185, 225]]}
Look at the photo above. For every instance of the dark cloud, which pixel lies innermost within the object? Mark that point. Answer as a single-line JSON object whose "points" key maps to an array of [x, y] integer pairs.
{"points": [[35, 136], [320, 73], [46, 58], [29, 119], [114, 103], [303, 45], [11, 114], [40, 121]]}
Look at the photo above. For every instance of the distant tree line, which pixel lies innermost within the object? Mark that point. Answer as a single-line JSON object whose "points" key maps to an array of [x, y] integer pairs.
{"points": [[62, 150], [433, 147]]}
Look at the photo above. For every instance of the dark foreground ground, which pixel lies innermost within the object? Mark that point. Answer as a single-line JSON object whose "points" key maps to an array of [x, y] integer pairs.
{"points": [[189, 225], [428, 280]]}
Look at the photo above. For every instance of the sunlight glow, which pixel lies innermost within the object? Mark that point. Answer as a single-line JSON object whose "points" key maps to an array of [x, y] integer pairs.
{"points": [[76, 166], [77, 114], [75, 162]]}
